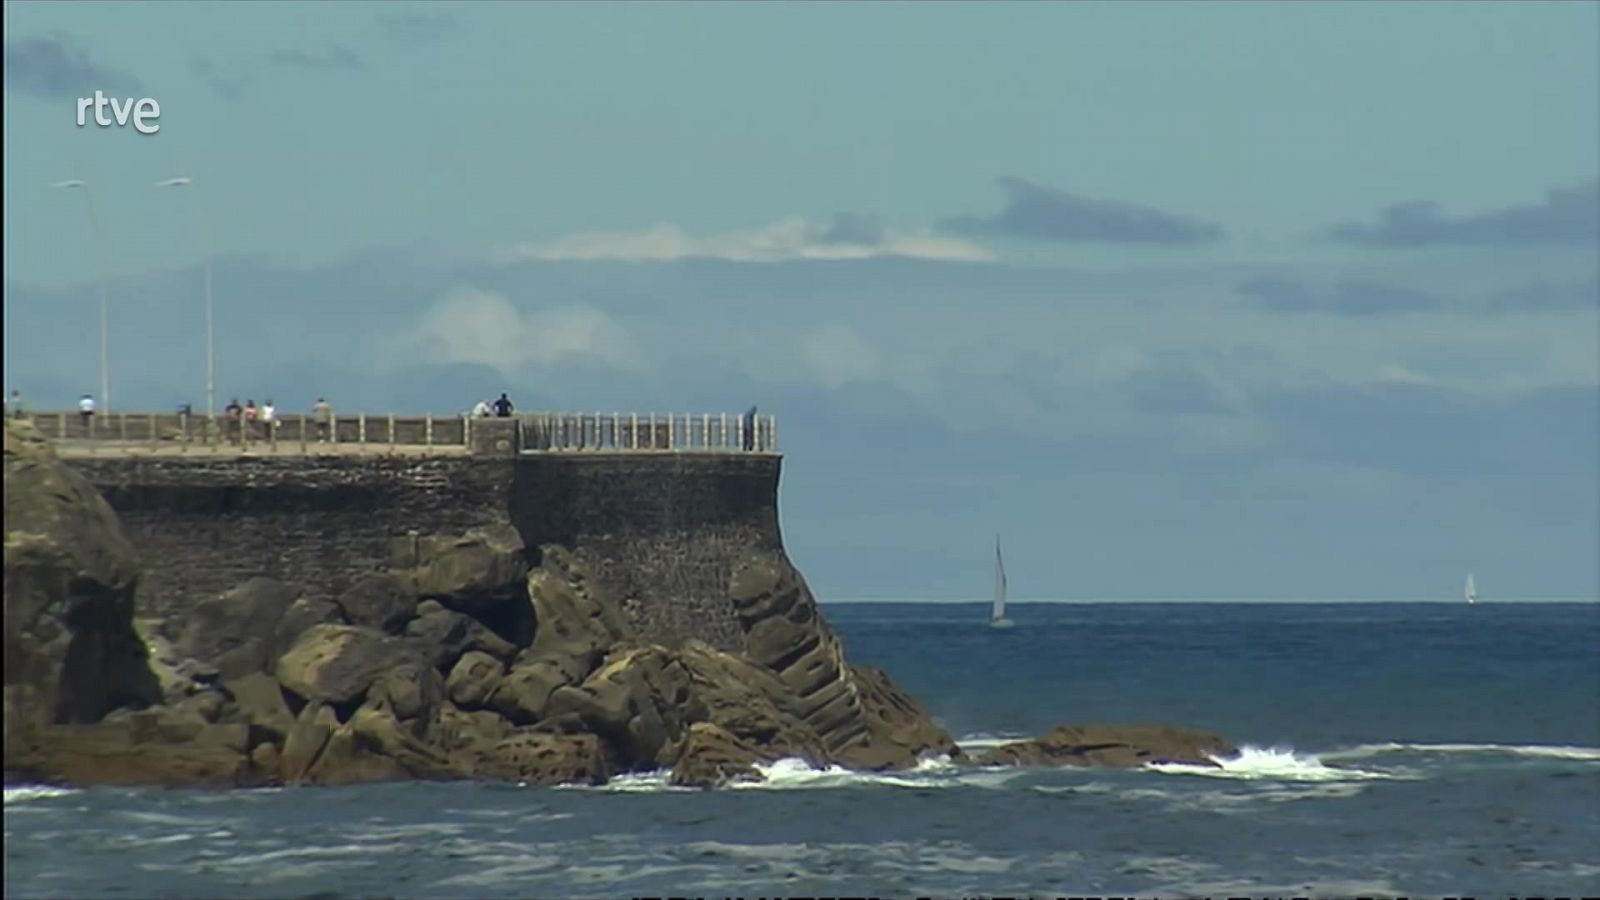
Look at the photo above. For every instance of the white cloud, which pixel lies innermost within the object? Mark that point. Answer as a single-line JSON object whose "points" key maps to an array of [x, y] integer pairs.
{"points": [[480, 327], [787, 239]]}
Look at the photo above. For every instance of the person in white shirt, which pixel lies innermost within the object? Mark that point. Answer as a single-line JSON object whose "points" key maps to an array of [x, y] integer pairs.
{"points": [[269, 417], [86, 413], [481, 411]]}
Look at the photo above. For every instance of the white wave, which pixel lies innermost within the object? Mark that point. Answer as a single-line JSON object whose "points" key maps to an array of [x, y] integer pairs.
{"points": [[1272, 763], [1533, 750], [983, 740], [24, 793], [797, 774]]}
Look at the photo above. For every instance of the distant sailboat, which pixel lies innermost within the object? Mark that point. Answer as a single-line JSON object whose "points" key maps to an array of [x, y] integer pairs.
{"points": [[1472, 589], [997, 617]]}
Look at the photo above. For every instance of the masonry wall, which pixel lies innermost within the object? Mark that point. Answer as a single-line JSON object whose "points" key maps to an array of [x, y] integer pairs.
{"points": [[204, 526], [660, 531]]}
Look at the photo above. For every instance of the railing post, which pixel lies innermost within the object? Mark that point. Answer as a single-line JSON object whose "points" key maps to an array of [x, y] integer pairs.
{"points": [[772, 431], [633, 430], [155, 436], [303, 448], [272, 431], [183, 437], [652, 431], [738, 433], [672, 431], [122, 426], [391, 434], [427, 432], [722, 432], [705, 431], [361, 430]]}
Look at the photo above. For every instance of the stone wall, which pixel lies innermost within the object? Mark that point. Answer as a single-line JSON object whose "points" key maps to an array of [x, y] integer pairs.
{"points": [[660, 531], [202, 526]]}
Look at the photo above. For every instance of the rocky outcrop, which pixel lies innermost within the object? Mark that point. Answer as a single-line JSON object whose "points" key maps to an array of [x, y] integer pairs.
{"points": [[1120, 746], [71, 651]]}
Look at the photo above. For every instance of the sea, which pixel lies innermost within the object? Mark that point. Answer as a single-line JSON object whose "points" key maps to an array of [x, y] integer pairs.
{"points": [[1389, 750]]}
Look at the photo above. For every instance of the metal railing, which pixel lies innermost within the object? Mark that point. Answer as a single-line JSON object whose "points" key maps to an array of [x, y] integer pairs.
{"points": [[307, 433], [627, 432]]}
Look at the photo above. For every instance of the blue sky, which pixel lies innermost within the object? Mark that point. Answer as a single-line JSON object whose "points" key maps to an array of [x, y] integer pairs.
{"points": [[1196, 299]]}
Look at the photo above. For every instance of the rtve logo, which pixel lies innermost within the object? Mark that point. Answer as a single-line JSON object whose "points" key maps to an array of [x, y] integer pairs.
{"points": [[144, 112]]}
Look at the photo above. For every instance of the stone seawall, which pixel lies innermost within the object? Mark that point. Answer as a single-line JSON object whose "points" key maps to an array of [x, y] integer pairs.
{"points": [[318, 523], [660, 532]]}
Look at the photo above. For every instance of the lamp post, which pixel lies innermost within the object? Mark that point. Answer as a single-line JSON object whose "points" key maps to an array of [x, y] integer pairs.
{"points": [[211, 347], [97, 238]]}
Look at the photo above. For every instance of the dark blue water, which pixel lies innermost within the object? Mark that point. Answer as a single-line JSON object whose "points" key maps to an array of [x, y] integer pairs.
{"points": [[1421, 749]]}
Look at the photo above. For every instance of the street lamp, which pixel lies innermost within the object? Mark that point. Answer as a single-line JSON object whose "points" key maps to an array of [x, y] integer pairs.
{"points": [[97, 238], [211, 347]]}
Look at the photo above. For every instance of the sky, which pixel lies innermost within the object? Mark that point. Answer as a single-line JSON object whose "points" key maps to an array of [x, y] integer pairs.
{"points": [[1203, 300]]}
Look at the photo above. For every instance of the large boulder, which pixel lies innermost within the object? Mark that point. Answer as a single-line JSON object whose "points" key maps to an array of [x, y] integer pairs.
{"points": [[638, 702], [381, 601], [1120, 746], [474, 679], [71, 651], [338, 663], [475, 572], [236, 631], [713, 758], [441, 636]]}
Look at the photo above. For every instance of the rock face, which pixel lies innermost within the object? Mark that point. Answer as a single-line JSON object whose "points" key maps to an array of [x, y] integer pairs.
{"points": [[460, 662], [71, 652], [1121, 746]]}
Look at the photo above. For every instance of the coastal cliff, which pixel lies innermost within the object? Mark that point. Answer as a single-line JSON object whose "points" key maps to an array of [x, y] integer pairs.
{"points": [[543, 619]]}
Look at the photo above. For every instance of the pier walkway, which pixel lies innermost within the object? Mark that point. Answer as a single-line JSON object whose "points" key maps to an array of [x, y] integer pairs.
{"points": [[163, 434]]}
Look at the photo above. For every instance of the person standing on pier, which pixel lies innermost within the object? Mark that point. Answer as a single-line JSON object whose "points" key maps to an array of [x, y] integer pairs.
{"points": [[233, 421], [16, 403], [86, 413], [322, 413], [750, 429]]}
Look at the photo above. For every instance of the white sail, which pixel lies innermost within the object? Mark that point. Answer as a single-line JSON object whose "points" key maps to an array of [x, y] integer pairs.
{"points": [[997, 616], [1472, 589]]}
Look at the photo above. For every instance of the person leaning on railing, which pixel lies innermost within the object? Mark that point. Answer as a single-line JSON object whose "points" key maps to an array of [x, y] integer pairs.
{"points": [[322, 413]]}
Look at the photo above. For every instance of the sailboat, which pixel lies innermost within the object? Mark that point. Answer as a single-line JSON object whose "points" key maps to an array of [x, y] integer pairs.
{"points": [[997, 617], [1472, 589]]}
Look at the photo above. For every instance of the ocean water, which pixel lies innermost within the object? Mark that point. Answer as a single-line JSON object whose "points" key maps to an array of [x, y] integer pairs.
{"points": [[1392, 749]]}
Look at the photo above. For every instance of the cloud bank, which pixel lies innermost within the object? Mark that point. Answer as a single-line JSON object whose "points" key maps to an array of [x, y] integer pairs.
{"points": [[1041, 213], [846, 237], [58, 67], [1567, 216]]}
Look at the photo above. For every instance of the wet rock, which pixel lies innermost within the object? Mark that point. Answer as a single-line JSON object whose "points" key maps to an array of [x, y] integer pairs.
{"points": [[1120, 746], [714, 758], [443, 635]]}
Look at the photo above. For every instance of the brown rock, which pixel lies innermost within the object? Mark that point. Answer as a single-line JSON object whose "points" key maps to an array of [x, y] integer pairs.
{"points": [[381, 601], [337, 663], [474, 679], [473, 573], [1120, 746], [235, 631], [70, 577], [712, 758], [542, 758]]}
